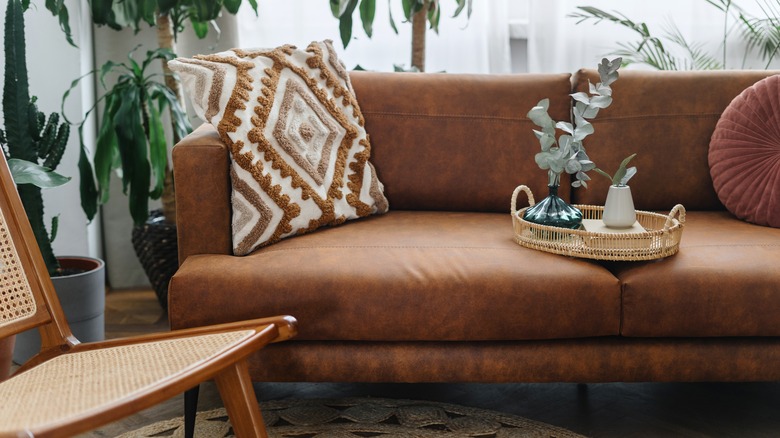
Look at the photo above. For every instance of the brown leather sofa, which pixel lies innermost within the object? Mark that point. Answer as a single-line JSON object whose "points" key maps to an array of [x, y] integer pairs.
{"points": [[437, 291]]}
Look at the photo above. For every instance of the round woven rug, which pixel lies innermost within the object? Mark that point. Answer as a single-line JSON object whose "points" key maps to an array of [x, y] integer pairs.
{"points": [[364, 417]]}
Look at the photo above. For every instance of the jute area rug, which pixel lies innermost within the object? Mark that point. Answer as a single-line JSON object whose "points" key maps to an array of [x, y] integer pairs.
{"points": [[364, 418]]}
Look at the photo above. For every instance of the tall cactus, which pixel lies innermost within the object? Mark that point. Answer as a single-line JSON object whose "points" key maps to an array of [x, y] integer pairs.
{"points": [[28, 135]]}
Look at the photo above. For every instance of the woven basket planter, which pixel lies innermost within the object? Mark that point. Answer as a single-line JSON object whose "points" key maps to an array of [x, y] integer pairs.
{"points": [[157, 249]]}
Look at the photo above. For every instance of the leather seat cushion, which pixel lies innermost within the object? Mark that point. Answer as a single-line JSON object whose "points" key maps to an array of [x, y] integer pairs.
{"points": [[413, 276], [724, 281]]}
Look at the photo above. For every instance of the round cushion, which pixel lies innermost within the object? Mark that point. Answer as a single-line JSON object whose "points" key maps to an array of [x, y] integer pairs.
{"points": [[744, 154]]}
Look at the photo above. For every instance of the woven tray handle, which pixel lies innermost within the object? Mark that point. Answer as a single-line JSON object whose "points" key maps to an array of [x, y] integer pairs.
{"points": [[679, 211], [528, 193]]}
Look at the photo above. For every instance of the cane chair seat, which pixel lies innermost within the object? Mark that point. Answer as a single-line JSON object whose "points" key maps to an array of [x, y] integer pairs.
{"points": [[70, 387], [60, 389]]}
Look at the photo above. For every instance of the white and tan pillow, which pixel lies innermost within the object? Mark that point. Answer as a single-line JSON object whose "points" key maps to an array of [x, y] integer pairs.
{"points": [[300, 153]]}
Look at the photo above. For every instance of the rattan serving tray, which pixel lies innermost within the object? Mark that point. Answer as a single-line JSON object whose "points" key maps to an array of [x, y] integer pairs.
{"points": [[661, 237]]}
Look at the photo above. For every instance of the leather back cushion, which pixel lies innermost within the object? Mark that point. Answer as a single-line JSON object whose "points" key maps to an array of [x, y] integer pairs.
{"points": [[457, 142], [745, 154], [667, 118]]}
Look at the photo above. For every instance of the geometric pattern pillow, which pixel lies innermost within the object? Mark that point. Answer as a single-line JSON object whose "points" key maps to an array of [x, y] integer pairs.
{"points": [[299, 149], [744, 155]]}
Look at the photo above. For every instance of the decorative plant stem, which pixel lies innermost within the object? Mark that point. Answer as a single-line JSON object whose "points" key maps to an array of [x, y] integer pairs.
{"points": [[567, 153]]}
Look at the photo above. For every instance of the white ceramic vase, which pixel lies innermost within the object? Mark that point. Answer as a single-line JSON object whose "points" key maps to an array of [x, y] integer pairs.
{"points": [[619, 209]]}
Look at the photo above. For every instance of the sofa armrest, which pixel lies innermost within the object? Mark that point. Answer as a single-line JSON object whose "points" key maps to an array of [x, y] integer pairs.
{"points": [[201, 168]]}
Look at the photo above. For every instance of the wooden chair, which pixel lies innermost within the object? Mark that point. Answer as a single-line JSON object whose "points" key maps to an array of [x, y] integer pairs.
{"points": [[69, 387]]}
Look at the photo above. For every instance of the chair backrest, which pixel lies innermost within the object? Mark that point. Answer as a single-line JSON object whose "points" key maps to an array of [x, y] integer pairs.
{"points": [[27, 296]]}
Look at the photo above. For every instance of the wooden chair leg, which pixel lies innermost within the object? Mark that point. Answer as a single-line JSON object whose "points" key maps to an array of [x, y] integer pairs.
{"points": [[190, 410], [238, 395]]}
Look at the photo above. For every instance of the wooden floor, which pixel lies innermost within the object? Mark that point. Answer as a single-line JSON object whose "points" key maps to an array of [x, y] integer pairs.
{"points": [[598, 410]]}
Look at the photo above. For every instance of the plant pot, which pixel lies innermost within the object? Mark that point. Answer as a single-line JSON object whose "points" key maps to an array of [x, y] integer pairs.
{"points": [[157, 248], [619, 209], [552, 210], [83, 300]]}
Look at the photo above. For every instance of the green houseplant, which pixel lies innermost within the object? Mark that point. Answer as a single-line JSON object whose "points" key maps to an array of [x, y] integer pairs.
{"points": [[567, 152], [27, 140], [131, 136], [670, 50], [418, 12]]}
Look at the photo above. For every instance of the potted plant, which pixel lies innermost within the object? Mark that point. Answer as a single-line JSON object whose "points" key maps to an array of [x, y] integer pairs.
{"points": [[567, 153], [418, 12], [619, 209], [34, 147], [131, 135]]}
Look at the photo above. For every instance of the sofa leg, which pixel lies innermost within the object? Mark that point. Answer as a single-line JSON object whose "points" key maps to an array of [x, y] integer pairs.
{"points": [[190, 410]]}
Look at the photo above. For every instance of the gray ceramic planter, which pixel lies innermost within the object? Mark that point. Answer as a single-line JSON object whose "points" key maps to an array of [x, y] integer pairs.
{"points": [[83, 299]]}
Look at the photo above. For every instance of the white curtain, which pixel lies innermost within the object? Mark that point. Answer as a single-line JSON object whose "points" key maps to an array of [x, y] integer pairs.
{"points": [[478, 45], [557, 44]]}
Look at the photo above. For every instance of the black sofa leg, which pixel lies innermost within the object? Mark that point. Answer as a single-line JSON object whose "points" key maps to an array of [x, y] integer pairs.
{"points": [[190, 409]]}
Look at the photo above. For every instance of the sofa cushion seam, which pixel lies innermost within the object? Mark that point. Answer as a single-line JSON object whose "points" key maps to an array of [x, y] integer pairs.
{"points": [[658, 116], [385, 247], [447, 116]]}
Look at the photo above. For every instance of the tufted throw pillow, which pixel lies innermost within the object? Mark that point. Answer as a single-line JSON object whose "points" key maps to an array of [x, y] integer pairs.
{"points": [[744, 154], [299, 150]]}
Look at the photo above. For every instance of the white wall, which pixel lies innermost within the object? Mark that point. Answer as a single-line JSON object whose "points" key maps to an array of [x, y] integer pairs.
{"points": [[52, 64]]}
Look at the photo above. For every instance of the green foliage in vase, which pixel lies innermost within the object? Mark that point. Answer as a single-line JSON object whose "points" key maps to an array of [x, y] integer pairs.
{"points": [[567, 153], [623, 174], [32, 144]]}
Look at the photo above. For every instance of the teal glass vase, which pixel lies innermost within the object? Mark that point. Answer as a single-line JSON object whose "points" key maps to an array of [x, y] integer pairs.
{"points": [[553, 210]]}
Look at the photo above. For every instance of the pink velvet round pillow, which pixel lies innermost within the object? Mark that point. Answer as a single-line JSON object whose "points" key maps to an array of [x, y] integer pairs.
{"points": [[744, 154]]}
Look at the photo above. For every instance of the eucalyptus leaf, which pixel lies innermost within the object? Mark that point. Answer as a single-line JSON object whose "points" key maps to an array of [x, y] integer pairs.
{"points": [[581, 97], [583, 130], [590, 112], [565, 127], [601, 101], [543, 160], [572, 166], [556, 166], [565, 143], [547, 141]]}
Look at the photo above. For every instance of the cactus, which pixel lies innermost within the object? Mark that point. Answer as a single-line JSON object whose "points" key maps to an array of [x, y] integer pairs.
{"points": [[28, 135]]}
